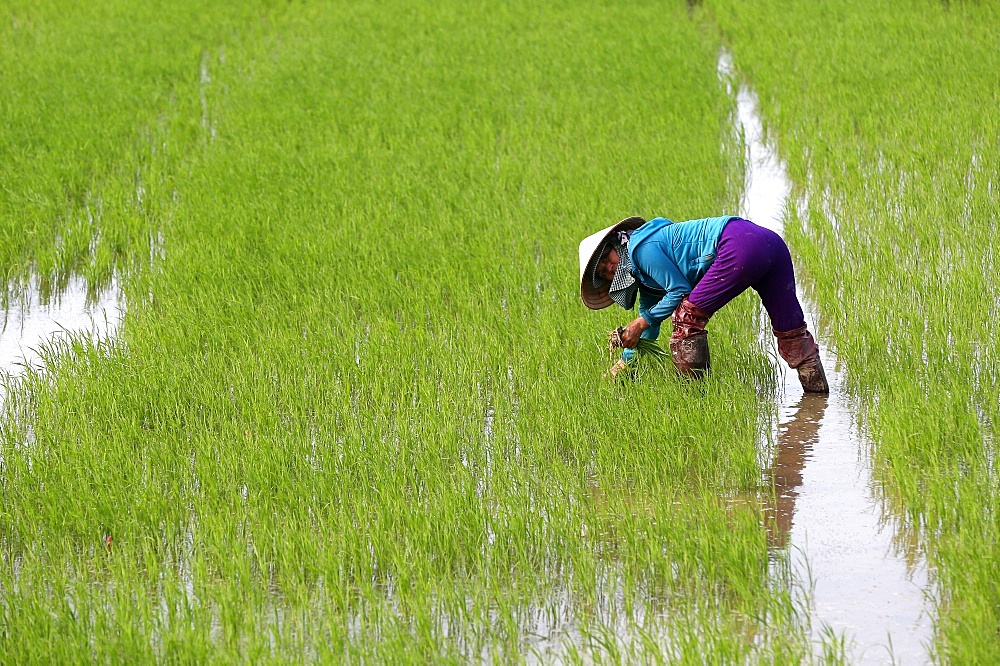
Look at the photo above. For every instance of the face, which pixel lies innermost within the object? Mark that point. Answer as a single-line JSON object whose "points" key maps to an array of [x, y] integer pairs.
{"points": [[608, 264]]}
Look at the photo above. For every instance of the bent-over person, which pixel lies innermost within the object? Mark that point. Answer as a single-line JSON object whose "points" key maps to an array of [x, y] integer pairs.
{"points": [[687, 271]]}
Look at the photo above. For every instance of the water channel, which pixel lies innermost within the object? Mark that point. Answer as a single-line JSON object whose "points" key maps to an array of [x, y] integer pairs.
{"points": [[865, 586]]}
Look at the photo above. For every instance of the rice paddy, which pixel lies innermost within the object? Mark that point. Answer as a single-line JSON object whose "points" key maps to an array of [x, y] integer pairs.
{"points": [[353, 409]]}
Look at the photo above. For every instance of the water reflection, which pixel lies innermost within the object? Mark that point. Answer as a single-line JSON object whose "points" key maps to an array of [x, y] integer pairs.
{"points": [[795, 442], [37, 317]]}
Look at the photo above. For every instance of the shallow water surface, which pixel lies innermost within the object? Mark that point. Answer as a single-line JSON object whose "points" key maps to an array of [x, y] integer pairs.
{"points": [[31, 322], [865, 585]]}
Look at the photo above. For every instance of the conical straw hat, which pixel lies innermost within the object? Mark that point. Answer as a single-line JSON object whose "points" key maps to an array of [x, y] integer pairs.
{"points": [[593, 297]]}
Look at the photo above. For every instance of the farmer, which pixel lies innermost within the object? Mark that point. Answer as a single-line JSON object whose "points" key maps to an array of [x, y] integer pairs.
{"points": [[690, 270]]}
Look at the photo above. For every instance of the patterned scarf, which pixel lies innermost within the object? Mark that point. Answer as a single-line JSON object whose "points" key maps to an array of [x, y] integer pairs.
{"points": [[624, 287]]}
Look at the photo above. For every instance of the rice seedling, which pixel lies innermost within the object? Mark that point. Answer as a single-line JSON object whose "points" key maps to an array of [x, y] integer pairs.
{"points": [[644, 347]]}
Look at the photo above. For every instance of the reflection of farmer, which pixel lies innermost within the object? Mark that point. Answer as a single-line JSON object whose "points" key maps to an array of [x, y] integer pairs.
{"points": [[689, 270], [795, 442]]}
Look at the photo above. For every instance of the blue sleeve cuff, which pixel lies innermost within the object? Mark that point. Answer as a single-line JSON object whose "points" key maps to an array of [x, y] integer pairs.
{"points": [[651, 333]]}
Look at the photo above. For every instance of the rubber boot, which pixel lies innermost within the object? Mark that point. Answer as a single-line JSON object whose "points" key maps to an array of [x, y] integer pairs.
{"points": [[689, 342], [801, 353]]}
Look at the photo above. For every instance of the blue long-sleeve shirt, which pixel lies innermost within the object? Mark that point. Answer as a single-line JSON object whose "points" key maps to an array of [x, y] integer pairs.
{"points": [[668, 259]]}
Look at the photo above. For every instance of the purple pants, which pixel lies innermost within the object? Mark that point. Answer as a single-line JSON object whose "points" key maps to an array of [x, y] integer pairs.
{"points": [[751, 256]]}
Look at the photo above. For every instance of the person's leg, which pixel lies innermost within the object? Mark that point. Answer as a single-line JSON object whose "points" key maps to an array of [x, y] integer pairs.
{"points": [[801, 353], [689, 341], [776, 287], [744, 255], [742, 258], [752, 256], [795, 344]]}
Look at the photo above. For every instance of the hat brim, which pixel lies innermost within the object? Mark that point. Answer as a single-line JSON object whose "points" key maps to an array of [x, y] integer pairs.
{"points": [[597, 298]]}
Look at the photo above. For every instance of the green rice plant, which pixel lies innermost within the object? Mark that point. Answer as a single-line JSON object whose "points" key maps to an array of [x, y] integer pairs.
{"points": [[652, 349], [644, 348]]}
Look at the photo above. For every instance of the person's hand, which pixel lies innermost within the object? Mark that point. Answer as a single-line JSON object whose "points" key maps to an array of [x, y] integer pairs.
{"points": [[631, 333], [618, 368]]}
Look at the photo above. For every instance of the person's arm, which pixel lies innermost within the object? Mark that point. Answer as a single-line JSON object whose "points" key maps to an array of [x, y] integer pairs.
{"points": [[652, 331], [666, 305], [656, 261]]}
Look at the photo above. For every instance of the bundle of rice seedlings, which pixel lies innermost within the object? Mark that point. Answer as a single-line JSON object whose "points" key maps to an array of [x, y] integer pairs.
{"points": [[645, 347]]}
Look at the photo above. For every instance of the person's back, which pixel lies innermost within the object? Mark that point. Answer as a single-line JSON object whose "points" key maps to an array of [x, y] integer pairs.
{"points": [[688, 246]]}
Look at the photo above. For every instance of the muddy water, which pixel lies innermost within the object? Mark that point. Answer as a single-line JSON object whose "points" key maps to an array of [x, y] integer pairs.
{"points": [[828, 509], [31, 322]]}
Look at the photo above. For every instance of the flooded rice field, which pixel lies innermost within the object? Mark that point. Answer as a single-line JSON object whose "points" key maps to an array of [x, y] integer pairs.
{"points": [[866, 582], [360, 413]]}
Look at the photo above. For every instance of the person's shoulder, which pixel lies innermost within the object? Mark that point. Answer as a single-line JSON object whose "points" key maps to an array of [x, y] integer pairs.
{"points": [[648, 232], [654, 225], [659, 222]]}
